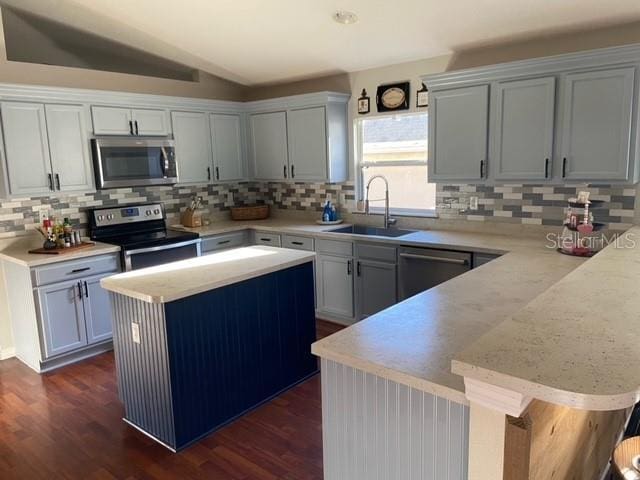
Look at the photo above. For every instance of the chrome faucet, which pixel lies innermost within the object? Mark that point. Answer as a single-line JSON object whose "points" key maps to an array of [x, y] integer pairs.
{"points": [[388, 221]]}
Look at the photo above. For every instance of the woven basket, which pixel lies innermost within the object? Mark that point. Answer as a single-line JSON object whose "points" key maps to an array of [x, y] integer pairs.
{"points": [[254, 212]]}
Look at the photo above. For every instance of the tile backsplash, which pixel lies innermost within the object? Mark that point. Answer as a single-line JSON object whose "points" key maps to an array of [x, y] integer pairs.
{"points": [[513, 203]]}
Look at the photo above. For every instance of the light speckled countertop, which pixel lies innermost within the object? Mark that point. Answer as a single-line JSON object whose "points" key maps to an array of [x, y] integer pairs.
{"points": [[576, 344], [173, 281], [16, 250]]}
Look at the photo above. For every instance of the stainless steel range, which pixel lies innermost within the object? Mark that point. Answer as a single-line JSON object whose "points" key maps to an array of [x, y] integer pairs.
{"points": [[141, 233]]}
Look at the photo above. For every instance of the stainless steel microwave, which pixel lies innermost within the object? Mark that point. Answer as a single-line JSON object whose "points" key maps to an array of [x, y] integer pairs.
{"points": [[130, 162]]}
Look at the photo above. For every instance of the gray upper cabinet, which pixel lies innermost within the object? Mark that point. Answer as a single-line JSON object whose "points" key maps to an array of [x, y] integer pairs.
{"points": [[307, 144], [226, 137], [125, 121], [561, 119], [458, 134], [112, 121], [524, 129], [97, 310], [62, 317], [300, 138], [269, 145], [149, 122], [69, 147], [597, 122], [193, 146], [26, 148]]}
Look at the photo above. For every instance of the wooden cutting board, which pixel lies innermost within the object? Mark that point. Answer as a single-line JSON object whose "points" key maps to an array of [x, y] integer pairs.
{"points": [[62, 251]]}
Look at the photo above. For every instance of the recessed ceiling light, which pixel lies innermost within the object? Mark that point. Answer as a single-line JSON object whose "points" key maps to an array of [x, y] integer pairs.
{"points": [[344, 17]]}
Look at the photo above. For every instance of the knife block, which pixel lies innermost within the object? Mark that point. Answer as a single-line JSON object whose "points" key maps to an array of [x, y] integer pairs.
{"points": [[191, 218]]}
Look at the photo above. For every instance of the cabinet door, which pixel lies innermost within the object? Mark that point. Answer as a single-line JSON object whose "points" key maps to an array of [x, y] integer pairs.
{"points": [[306, 130], [523, 138], [269, 145], [69, 147], [458, 134], [97, 310], [376, 287], [335, 285], [62, 317], [26, 148], [150, 122], [112, 121], [226, 138], [596, 128], [193, 146]]}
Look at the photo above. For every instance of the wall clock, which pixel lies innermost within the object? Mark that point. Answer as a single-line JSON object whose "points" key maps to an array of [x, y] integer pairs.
{"points": [[393, 97]]}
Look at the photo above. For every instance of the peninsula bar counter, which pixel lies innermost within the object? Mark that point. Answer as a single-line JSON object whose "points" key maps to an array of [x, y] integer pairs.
{"points": [[200, 342]]}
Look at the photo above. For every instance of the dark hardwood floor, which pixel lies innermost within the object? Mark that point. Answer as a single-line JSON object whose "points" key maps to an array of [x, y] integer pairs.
{"points": [[68, 425]]}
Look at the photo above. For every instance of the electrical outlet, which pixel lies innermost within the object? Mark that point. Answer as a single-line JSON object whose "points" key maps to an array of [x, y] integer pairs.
{"points": [[135, 332], [41, 212], [278, 197], [230, 199], [473, 203]]}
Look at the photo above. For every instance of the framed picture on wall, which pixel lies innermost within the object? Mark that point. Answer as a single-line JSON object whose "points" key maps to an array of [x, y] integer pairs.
{"points": [[422, 97], [393, 97], [364, 103]]}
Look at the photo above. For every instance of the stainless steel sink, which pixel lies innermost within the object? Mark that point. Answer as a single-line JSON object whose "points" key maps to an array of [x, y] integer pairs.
{"points": [[374, 231]]}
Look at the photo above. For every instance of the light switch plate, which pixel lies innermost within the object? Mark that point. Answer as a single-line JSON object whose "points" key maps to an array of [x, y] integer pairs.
{"points": [[135, 332], [473, 203]]}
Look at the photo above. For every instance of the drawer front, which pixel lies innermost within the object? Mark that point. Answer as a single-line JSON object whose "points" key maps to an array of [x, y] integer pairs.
{"points": [[221, 242], [381, 253], [263, 238], [73, 269], [335, 247], [297, 243]]}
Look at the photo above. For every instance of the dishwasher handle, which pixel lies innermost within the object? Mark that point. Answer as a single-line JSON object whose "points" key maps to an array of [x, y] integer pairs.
{"points": [[431, 258]]}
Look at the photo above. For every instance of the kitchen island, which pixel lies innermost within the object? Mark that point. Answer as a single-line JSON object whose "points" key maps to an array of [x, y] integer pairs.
{"points": [[201, 341]]}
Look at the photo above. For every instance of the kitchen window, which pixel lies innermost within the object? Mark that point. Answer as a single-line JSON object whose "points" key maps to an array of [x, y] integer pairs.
{"points": [[395, 146]]}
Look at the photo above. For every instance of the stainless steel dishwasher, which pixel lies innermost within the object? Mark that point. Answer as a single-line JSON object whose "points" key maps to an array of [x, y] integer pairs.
{"points": [[422, 268]]}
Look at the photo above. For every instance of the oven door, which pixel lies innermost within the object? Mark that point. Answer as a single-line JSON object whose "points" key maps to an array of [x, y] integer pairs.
{"points": [[127, 162], [152, 256]]}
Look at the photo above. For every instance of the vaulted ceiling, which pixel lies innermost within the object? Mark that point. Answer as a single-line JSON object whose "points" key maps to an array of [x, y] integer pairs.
{"points": [[266, 41]]}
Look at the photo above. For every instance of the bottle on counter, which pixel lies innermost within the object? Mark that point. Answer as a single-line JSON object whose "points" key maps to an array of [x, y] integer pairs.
{"points": [[326, 212]]}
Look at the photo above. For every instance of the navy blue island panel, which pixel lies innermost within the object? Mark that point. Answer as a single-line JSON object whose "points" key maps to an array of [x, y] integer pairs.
{"points": [[204, 360]]}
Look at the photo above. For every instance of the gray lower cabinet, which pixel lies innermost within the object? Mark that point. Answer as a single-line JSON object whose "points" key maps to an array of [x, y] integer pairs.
{"points": [[266, 238], [524, 128], [376, 278], [375, 287], [215, 243], [62, 317], [74, 314], [97, 310], [458, 134], [597, 122], [334, 283]]}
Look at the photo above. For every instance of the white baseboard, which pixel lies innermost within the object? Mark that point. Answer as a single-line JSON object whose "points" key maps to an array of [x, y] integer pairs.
{"points": [[7, 353]]}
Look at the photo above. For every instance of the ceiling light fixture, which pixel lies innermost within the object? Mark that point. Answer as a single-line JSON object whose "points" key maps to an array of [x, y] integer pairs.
{"points": [[345, 18]]}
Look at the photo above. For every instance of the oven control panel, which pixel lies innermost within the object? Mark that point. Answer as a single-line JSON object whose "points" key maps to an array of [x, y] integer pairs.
{"points": [[127, 214]]}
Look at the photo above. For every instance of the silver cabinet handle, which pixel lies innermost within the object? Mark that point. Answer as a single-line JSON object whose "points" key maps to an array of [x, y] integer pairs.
{"points": [[131, 127], [58, 181], [348, 267], [136, 127], [50, 177], [86, 290], [79, 270], [223, 242], [285, 171], [429, 258], [79, 285]]}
